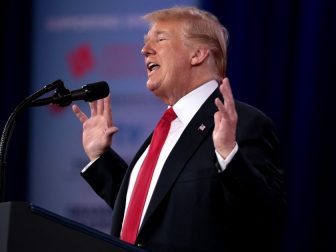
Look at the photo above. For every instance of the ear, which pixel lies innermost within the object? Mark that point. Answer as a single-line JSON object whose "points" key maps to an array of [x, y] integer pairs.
{"points": [[199, 56]]}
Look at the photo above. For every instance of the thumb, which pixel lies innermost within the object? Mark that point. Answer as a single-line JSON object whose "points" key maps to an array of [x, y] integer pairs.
{"points": [[217, 118], [111, 130]]}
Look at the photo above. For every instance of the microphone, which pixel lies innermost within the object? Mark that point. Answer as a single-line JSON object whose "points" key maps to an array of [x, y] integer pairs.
{"points": [[63, 97]]}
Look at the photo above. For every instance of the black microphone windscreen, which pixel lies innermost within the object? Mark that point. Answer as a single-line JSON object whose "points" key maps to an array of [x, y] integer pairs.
{"points": [[92, 92]]}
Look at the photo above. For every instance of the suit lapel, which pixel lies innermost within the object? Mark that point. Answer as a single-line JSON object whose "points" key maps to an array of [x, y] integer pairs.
{"points": [[197, 130]]}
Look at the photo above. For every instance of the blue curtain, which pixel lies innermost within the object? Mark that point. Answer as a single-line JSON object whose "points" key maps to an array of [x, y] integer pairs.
{"points": [[282, 60]]}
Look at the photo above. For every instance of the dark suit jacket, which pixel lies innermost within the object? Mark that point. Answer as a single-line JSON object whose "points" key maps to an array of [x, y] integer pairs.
{"points": [[196, 208]]}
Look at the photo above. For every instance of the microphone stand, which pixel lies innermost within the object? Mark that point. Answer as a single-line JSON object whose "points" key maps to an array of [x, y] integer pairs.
{"points": [[9, 126]]}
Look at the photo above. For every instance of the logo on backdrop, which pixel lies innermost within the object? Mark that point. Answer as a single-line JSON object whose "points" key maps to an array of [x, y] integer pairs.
{"points": [[112, 60], [81, 60]]}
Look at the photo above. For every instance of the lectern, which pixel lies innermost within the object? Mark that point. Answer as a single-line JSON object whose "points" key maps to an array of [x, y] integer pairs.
{"points": [[25, 227]]}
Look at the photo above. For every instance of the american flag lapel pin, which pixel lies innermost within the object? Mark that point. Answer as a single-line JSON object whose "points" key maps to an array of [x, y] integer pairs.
{"points": [[201, 127]]}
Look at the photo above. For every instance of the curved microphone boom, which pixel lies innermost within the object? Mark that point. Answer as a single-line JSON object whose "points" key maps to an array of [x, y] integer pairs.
{"points": [[9, 126], [63, 97]]}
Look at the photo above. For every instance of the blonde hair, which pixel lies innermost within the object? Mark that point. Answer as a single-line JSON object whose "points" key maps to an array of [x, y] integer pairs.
{"points": [[201, 26]]}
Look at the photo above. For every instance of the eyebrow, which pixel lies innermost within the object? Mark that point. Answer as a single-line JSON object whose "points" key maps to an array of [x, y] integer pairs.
{"points": [[157, 33]]}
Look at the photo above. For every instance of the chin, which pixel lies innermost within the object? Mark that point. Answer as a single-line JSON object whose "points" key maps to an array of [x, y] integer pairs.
{"points": [[154, 90]]}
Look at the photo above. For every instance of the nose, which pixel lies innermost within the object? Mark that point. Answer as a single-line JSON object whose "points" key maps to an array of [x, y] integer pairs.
{"points": [[147, 50]]}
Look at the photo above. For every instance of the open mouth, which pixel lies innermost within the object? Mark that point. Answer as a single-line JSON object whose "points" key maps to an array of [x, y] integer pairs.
{"points": [[151, 66]]}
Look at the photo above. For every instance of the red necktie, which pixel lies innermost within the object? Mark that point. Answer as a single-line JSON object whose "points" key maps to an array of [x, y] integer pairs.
{"points": [[135, 207]]}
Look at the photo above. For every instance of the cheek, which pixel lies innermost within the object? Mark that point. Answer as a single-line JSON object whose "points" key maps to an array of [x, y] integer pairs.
{"points": [[177, 62], [175, 65]]}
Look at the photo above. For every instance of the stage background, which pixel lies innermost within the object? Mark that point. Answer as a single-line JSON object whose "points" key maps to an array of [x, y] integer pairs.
{"points": [[281, 60], [84, 43]]}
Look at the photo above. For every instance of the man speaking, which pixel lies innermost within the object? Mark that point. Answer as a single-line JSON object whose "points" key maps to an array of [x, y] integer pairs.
{"points": [[207, 178]]}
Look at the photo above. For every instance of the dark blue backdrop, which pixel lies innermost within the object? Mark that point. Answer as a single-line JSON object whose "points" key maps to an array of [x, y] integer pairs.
{"points": [[15, 50], [281, 60]]}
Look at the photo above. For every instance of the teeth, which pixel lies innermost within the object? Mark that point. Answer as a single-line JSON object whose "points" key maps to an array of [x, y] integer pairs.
{"points": [[151, 66]]}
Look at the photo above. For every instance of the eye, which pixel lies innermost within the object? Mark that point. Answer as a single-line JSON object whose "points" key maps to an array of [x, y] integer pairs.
{"points": [[161, 39]]}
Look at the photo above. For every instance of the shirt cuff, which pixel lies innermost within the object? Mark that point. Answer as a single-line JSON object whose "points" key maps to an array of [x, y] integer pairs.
{"points": [[224, 162], [88, 165]]}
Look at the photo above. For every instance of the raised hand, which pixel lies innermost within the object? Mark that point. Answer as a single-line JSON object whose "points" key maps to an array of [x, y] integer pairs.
{"points": [[98, 129], [224, 134]]}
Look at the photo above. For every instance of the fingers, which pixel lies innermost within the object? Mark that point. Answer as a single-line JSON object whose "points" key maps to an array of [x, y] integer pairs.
{"points": [[100, 107], [221, 107], [79, 114], [93, 108], [227, 108], [224, 134], [217, 118], [107, 113]]}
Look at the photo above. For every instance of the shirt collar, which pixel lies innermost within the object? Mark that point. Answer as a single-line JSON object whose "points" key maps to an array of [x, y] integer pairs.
{"points": [[189, 104]]}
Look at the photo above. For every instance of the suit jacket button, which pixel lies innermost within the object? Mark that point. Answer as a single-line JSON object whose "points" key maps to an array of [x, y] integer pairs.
{"points": [[140, 245]]}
